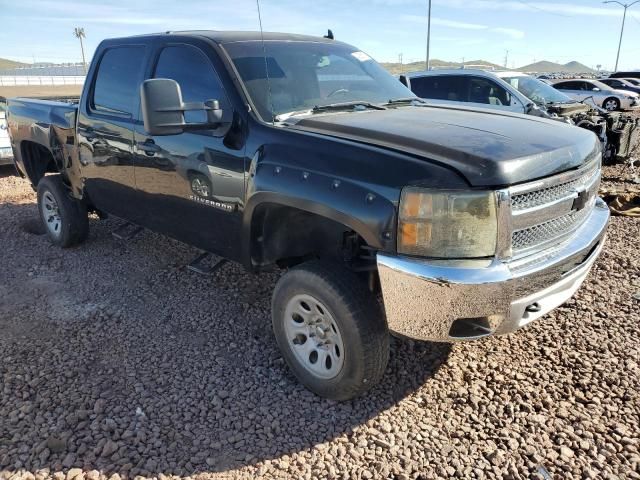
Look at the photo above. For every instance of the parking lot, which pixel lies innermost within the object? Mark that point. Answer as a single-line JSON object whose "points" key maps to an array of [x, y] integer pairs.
{"points": [[117, 360]]}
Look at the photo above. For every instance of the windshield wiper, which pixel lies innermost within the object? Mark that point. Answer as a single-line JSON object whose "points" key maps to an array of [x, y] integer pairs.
{"points": [[346, 106], [405, 101], [332, 107]]}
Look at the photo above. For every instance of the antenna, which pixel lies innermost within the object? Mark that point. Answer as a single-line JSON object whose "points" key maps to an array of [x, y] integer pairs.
{"points": [[329, 35], [266, 65]]}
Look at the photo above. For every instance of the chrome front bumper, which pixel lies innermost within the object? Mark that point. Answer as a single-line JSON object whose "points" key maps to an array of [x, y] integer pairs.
{"points": [[453, 300]]}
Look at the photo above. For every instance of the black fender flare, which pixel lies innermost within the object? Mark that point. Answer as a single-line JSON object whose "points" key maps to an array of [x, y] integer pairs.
{"points": [[368, 213]]}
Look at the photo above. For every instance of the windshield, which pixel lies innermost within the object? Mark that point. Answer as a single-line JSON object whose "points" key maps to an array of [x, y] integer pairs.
{"points": [[632, 81], [304, 75], [536, 90]]}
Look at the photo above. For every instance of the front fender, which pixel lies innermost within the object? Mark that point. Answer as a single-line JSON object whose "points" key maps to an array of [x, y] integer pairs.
{"points": [[368, 210]]}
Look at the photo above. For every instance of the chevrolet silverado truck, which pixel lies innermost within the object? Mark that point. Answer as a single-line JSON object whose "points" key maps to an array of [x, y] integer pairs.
{"points": [[302, 154]]}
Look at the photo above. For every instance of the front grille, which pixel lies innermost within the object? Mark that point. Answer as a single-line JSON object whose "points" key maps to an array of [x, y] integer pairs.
{"points": [[535, 198], [547, 211], [558, 227]]}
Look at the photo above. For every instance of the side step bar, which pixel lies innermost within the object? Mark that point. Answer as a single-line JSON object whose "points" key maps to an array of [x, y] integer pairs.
{"points": [[198, 264], [126, 231]]}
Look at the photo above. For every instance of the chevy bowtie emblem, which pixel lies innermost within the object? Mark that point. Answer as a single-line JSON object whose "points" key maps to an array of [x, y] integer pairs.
{"points": [[581, 201]]}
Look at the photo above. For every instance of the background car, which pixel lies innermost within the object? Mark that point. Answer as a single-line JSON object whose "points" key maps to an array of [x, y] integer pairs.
{"points": [[634, 74], [6, 153], [621, 84], [633, 81], [476, 87], [601, 94]]}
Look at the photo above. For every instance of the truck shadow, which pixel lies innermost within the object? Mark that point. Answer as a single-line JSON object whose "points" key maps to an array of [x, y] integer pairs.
{"points": [[7, 171], [123, 371]]}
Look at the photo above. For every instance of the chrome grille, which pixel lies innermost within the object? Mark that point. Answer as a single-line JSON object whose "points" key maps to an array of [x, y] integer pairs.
{"points": [[539, 234], [547, 211], [530, 199]]}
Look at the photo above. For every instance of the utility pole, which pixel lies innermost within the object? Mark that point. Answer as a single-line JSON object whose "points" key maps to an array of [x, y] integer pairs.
{"points": [[506, 56], [400, 62], [624, 18], [79, 34], [427, 63]]}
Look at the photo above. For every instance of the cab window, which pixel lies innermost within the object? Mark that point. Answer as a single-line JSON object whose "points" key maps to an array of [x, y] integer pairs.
{"points": [[198, 81], [118, 79]]}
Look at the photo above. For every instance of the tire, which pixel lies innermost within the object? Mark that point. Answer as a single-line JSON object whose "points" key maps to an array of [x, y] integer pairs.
{"points": [[341, 312], [611, 104], [65, 220]]}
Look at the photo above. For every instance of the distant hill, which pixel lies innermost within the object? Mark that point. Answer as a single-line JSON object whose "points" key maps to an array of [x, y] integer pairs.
{"points": [[6, 64], [550, 67], [397, 68]]}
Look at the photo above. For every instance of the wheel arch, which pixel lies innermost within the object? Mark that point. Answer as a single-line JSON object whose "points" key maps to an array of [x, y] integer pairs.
{"points": [[281, 230], [38, 160]]}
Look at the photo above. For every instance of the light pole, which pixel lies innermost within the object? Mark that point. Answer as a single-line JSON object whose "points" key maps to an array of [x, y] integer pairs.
{"points": [[429, 32], [624, 17], [79, 34]]}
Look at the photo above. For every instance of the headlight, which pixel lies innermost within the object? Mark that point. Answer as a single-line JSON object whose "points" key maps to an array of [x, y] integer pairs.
{"points": [[447, 224]]}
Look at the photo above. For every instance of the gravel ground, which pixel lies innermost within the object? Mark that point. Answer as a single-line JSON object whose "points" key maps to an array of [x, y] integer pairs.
{"points": [[116, 362]]}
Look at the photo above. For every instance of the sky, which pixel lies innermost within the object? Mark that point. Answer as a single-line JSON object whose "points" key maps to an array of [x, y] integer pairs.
{"points": [[529, 30]]}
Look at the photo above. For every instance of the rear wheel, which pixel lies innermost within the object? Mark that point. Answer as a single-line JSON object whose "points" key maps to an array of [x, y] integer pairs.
{"points": [[65, 219], [611, 104], [330, 330]]}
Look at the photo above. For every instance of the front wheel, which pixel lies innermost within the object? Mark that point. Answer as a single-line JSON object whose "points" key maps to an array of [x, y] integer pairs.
{"points": [[64, 218], [611, 104], [330, 330]]}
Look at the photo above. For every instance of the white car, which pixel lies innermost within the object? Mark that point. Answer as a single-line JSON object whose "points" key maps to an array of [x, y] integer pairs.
{"points": [[6, 153], [603, 95]]}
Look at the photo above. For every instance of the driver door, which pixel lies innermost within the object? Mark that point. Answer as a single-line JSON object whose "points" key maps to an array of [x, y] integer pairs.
{"points": [[192, 184]]}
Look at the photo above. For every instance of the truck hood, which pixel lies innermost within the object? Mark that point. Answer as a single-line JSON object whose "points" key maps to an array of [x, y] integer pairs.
{"points": [[486, 147]]}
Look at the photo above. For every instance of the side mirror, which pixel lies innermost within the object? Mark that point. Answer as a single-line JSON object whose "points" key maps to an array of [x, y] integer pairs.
{"points": [[596, 89], [163, 109]]}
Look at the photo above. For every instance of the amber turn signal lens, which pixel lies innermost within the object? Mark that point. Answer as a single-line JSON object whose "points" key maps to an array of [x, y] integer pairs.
{"points": [[411, 205], [409, 234]]}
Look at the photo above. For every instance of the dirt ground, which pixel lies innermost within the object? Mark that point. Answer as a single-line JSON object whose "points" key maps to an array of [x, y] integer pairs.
{"points": [[41, 91], [117, 362]]}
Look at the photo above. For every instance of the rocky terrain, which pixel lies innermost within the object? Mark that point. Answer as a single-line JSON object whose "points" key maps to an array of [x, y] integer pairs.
{"points": [[117, 362]]}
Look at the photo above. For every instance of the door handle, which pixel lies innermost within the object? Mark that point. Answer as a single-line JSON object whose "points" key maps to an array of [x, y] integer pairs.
{"points": [[149, 147]]}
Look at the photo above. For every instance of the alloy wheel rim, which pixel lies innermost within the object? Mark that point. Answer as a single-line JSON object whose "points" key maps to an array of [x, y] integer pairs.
{"points": [[314, 337], [611, 105], [51, 214]]}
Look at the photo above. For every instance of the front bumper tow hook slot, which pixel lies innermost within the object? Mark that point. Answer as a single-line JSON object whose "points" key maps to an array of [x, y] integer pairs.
{"points": [[534, 308]]}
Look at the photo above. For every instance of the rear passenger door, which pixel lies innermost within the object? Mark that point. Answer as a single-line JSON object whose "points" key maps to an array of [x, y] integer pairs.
{"points": [[192, 184], [105, 129]]}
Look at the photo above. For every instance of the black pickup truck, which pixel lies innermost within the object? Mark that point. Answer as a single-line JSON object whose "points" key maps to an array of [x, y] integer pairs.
{"points": [[300, 153]]}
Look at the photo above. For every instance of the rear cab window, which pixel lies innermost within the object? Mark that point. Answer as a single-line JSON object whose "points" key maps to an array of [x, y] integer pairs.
{"points": [[118, 78]]}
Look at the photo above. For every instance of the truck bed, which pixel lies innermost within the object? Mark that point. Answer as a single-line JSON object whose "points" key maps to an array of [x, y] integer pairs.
{"points": [[40, 124]]}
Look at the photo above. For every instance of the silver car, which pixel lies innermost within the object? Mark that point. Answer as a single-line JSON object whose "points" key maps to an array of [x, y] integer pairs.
{"points": [[603, 95], [6, 153]]}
